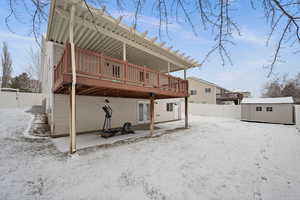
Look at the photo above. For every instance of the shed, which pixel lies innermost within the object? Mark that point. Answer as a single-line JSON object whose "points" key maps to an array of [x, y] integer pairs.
{"points": [[271, 110]]}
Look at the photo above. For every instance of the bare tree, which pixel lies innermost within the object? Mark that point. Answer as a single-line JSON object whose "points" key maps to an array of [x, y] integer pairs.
{"points": [[283, 87], [6, 63], [22, 82], [272, 89], [283, 17], [33, 69]]}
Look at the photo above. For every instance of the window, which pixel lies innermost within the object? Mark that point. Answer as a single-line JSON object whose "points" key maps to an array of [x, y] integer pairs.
{"points": [[170, 107], [259, 108], [193, 92], [269, 109], [143, 112], [207, 90]]}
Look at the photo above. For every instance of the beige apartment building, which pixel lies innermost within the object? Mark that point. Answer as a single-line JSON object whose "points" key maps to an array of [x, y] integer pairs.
{"points": [[204, 92]]}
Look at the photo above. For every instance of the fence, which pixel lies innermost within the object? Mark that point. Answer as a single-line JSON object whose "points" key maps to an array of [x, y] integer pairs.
{"points": [[297, 115], [20, 99], [212, 110]]}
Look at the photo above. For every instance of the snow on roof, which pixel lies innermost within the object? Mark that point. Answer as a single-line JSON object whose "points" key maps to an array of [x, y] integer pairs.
{"points": [[239, 90], [268, 100]]}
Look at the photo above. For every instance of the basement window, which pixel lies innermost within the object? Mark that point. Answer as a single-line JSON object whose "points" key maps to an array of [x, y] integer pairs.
{"points": [[259, 108], [193, 92], [269, 109], [170, 107]]}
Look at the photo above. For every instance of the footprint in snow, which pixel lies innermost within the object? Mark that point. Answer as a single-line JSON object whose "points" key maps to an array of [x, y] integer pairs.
{"points": [[263, 178]]}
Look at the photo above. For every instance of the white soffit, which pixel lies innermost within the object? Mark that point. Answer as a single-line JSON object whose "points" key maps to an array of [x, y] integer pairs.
{"points": [[103, 33]]}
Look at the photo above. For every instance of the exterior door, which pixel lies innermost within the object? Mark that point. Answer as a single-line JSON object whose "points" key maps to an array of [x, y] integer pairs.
{"points": [[143, 112], [177, 110]]}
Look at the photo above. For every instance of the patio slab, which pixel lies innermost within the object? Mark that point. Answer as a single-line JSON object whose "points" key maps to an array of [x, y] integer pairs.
{"points": [[94, 139]]}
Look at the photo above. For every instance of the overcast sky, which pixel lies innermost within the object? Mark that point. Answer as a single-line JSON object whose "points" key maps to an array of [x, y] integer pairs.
{"points": [[249, 54]]}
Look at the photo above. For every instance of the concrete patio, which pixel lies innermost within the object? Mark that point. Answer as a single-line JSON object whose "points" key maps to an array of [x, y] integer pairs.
{"points": [[94, 139]]}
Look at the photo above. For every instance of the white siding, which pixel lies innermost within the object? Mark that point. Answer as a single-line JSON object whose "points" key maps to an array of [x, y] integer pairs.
{"points": [[281, 113], [161, 113], [51, 54], [90, 116]]}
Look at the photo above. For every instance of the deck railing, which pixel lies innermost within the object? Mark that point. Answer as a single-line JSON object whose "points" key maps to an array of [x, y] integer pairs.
{"points": [[99, 66], [230, 95]]}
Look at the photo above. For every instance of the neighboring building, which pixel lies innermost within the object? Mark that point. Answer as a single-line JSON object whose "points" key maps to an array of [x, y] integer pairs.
{"points": [[204, 92], [272, 110], [229, 98], [246, 94], [297, 100], [112, 61], [35, 86]]}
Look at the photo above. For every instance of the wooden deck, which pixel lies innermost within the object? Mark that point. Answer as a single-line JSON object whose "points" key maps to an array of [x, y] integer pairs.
{"points": [[100, 75], [230, 96]]}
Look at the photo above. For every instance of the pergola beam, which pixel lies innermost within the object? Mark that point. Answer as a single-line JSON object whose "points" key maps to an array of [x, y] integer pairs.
{"points": [[116, 36], [124, 52]]}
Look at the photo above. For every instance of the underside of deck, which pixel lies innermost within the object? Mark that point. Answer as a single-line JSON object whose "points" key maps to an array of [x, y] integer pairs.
{"points": [[97, 87]]}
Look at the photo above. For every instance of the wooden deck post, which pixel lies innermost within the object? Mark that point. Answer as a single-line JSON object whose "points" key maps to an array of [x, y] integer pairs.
{"points": [[124, 52], [73, 86], [152, 114], [186, 105]]}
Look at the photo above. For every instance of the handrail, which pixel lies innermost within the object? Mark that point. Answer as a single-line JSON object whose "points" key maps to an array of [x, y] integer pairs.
{"points": [[97, 65]]}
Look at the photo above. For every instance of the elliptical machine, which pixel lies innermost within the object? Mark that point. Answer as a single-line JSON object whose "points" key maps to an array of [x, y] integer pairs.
{"points": [[107, 131]]}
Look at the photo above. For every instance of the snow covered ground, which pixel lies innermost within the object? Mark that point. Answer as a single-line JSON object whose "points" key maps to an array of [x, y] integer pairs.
{"points": [[216, 158]]}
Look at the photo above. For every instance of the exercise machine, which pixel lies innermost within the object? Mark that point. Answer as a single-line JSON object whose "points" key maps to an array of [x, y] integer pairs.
{"points": [[107, 131]]}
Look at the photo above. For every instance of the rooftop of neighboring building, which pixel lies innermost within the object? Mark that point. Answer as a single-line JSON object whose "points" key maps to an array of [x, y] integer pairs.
{"points": [[206, 82]]}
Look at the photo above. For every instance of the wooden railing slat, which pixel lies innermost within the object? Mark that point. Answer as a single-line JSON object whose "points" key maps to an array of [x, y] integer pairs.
{"points": [[97, 65]]}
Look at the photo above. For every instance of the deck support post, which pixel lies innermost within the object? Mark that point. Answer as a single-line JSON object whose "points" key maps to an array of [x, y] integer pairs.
{"points": [[73, 85], [152, 98], [169, 68], [186, 105], [124, 52]]}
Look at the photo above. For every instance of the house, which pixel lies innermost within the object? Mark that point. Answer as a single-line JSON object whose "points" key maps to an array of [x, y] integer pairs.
{"points": [[246, 94], [204, 92], [89, 56], [271, 110], [35, 86]]}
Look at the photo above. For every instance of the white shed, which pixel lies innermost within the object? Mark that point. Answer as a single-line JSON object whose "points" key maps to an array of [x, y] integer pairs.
{"points": [[271, 110]]}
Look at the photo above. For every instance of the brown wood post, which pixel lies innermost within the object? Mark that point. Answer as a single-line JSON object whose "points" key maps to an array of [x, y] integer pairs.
{"points": [[186, 112], [124, 61], [186, 104], [70, 117], [73, 85], [152, 114]]}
